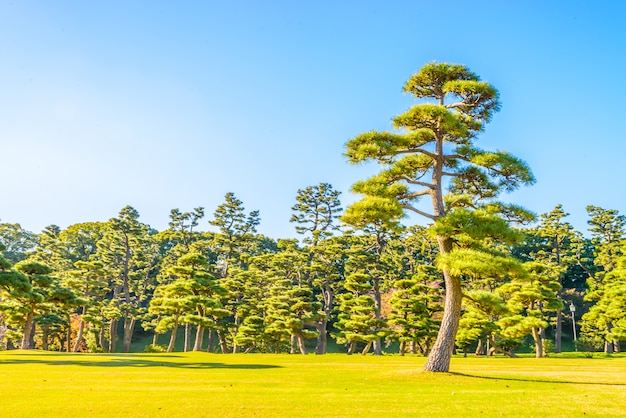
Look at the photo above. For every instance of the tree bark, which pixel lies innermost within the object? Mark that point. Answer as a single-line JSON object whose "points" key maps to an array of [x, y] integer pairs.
{"points": [[441, 352], [129, 329], [301, 344], [211, 341], [44, 337], [223, 343], [322, 338], [608, 345], [170, 347], [112, 335], [79, 334], [187, 337], [480, 348], [197, 346], [538, 343], [28, 331], [293, 345]]}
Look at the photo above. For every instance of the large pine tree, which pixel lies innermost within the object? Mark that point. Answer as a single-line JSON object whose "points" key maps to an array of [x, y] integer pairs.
{"points": [[432, 153]]}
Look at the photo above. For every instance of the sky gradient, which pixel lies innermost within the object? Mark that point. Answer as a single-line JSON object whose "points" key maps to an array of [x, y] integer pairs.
{"points": [[161, 105]]}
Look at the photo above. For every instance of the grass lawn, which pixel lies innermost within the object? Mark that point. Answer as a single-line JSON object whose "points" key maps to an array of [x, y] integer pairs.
{"points": [[44, 384]]}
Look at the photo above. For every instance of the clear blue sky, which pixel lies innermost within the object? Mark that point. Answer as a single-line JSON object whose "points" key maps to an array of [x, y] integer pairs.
{"points": [[164, 104]]}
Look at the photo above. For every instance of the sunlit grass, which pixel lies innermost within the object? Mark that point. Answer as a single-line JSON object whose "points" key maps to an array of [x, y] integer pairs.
{"points": [[37, 384]]}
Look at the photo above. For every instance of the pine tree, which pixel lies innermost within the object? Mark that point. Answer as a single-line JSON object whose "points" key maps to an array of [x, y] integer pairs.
{"points": [[607, 231], [434, 149]]}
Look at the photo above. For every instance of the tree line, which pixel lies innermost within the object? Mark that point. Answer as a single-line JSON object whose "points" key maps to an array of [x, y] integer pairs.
{"points": [[482, 275], [95, 286]]}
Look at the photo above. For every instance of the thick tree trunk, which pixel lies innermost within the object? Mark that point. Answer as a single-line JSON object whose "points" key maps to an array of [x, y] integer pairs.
{"points": [[351, 347], [441, 352], [293, 344], [170, 347], [211, 341], [129, 330], [197, 346], [301, 344], [28, 331], [155, 338], [402, 348], [367, 348], [320, 348]]}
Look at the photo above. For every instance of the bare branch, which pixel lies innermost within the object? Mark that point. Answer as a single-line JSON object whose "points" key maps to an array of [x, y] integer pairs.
{"points": [[417, 183], [419, 212]]}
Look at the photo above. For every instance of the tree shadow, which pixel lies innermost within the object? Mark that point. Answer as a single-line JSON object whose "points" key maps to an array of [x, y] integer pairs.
{"points": [[130, 362], [519, 379]]}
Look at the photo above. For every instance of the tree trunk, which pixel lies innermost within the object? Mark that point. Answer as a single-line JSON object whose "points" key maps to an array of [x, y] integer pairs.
{"points": [[197, 346], [211, 342], [170, 347], [538, 343], [480, 348], [112, 335], [322, 338], [351, 347], [378, 346], [402, 348], [101, 338], [44, 337], [81, 327], [320, 348], [441, 352], [188, 331], [3, 330], [129, 329], [293, 344], [558, 332], [301, 344], [155, 338], [79, 335], [28, 331], [608, 345], [367, 348], [223, 343]]}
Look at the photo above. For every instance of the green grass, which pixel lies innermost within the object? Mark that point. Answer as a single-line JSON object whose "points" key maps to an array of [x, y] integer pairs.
{"points": [[39, 384]]}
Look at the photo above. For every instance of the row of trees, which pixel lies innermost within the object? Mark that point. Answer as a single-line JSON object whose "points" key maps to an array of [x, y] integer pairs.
{"points": [[480, 275], [89, 286]]}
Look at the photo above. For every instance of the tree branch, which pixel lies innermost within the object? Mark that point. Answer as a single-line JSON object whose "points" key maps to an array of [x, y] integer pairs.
{"points": [[419, 212]]}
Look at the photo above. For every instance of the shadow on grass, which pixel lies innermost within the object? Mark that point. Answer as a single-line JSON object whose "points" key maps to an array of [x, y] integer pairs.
{"points": [[138, 363], [36, 353], [519, 379]]}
